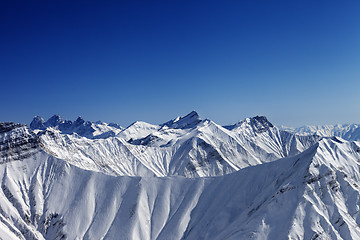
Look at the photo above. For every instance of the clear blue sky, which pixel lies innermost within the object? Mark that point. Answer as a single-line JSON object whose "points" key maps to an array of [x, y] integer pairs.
{"points": [[297, 62]]}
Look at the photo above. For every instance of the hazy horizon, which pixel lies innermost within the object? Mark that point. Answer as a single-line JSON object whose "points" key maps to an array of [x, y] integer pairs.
{"points": [[74, 117]]}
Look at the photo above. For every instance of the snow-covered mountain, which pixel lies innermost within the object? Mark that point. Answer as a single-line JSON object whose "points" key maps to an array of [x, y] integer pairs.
{"points": [[186, 146], [79, 126], [346, 131], [311, 195]]}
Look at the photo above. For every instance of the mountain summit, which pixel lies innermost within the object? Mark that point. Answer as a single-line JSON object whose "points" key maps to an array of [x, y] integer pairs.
{"points": [[188, 121], [258, 124], [37, 123]]}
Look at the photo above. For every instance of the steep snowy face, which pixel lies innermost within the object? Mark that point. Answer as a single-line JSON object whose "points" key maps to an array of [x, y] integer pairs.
{"points": [[110, 155], [79, 126], [261, 137], [188, 121], [346, 131], [313, 195]]}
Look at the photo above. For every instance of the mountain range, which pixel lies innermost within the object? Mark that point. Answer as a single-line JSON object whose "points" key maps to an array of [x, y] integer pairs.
{"points": [[187, 178], [346, 131]]}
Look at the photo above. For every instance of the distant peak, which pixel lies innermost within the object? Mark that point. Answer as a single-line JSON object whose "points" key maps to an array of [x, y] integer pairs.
{"points": [[137, 123], [38, 118], [258, 123], [261, 120], [54, 121], [79, 121], [188, 121], [37, 123], [192, 114], [55, 116]]}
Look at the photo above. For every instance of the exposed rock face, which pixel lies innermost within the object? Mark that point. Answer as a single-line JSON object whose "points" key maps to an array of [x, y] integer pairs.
{"points": [[54, 121], [8, 126], [38, 123], [17, 142], [260, 124]]}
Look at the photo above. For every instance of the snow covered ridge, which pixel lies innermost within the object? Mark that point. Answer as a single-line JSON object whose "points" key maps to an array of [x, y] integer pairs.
{"points": [[346, 131], [186, 146], [188, 121], [312, 195], [79, 126], [187, 179]]}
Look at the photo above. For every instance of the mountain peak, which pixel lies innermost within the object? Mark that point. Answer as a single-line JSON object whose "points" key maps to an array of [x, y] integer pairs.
{"points": [[54, 121], [188, 121], [37, 123], [258, 123], [79, 121], [192, 114]]}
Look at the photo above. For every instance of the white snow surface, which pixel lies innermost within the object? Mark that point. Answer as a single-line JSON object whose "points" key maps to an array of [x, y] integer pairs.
{"points": [[203, 149], [346, 131], [198, 181]]}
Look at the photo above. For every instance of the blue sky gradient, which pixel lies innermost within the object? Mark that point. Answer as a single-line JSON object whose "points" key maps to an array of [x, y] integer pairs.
{"points": [[296, 62]]}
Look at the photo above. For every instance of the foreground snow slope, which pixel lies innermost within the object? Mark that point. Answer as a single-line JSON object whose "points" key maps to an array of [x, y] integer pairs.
{"points": [[312, 195], [186, 146]]}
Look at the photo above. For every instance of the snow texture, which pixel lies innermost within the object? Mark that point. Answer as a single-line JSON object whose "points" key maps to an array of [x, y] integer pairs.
{"points": [[185, 179]]}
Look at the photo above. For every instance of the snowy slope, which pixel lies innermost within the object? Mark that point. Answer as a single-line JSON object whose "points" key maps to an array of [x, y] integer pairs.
{"points": [[186, 146], [313, 195], [138, 130], [345, 131]]}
